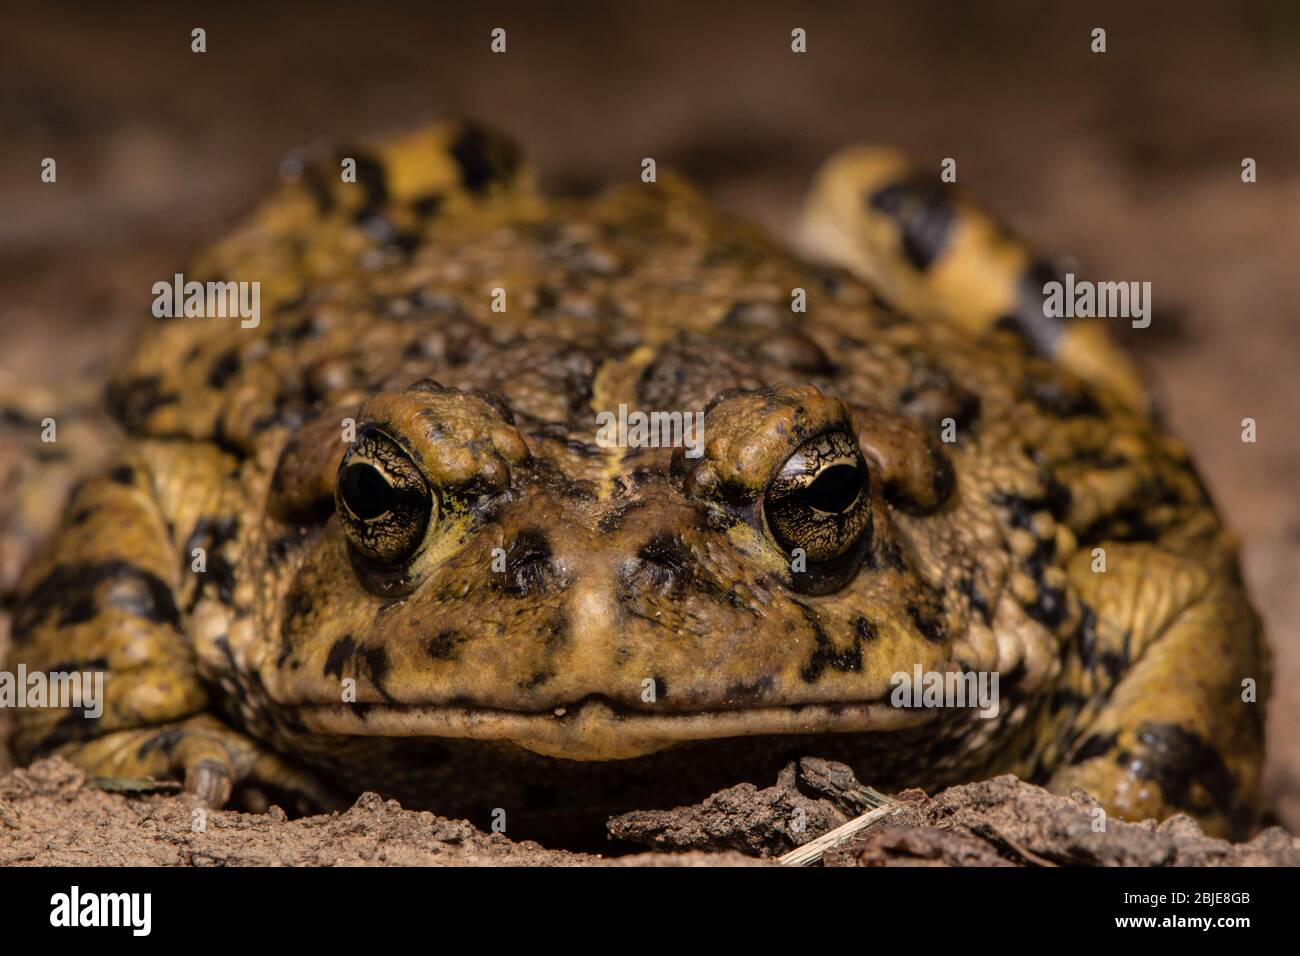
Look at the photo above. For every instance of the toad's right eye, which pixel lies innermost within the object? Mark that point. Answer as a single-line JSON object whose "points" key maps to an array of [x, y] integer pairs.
{"points": [[382, 499], [819, 499]]}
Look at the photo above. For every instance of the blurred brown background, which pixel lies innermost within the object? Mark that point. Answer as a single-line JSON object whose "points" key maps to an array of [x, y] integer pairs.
{"points": [[1129, 160]]}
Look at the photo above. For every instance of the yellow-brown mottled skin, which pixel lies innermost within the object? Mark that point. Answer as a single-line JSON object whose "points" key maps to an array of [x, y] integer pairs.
{"points": [[424, 576]]}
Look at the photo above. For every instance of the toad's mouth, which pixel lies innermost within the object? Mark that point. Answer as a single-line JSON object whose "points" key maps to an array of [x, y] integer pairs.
{"points": [[598, 729]]}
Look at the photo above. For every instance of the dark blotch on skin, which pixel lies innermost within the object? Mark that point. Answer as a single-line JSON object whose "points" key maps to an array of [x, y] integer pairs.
{"points": [[279, 548], [933, 396], [165, 741], [16, 418], [1011, 678], [427, 206], [376, 659], [928, 622], [976, 598], [317, 182], [924, 216], [535, 681], [749, 692], [1087, 637], [484, 158], [1057, 498], [211, 534], [1178, 761], [372, 178], [225, 368], [338, 656], [443, 646], [297, 604], [885, 553], [1065, 697], [557, 632], [71, 727], [1041, 332], [72, 591], [1051, 608], [307, 328], [864, 629], [1055, 397], [943, 479], [825, 654], [1020, 509], [1097, 745], [70, 666], [1127, 524], [1114, 664], [132, 401]]}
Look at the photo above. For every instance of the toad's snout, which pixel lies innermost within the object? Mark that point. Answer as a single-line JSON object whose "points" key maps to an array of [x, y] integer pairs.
{"points": [[605, 564]]}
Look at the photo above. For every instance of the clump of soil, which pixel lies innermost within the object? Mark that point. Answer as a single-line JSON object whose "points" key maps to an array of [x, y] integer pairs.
{"points": [[51, 815], [998, 822], [1005, 821]]}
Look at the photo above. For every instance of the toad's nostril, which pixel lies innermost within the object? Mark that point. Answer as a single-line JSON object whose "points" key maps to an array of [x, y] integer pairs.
{"points": [[529, 565], [666, 551], [663, 565]]}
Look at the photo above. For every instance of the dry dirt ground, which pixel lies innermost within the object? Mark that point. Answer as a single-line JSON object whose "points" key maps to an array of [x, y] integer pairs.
{"points": [[1128, 160], [50, 815]]}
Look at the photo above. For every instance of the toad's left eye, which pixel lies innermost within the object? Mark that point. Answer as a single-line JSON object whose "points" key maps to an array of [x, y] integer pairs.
{"points": [[819, 499], [382, 499]]}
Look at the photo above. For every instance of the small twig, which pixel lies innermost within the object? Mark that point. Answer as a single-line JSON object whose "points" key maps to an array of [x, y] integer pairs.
{"points": [[814, 850], [874, 798]]}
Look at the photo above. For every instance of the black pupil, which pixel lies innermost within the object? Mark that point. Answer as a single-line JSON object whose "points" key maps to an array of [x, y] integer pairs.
{"points": [[834, 490], [366, 492]]}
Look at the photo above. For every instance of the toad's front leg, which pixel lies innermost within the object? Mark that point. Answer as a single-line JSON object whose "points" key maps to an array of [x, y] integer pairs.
{"points": [[211, 758], [105, 598]]}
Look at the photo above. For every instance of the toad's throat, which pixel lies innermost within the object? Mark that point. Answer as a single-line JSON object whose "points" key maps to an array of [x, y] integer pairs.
{"points": [[596, 729]]}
